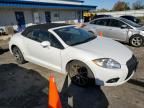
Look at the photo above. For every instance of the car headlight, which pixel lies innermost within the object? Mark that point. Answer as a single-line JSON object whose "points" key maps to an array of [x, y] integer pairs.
{"points": [[107, 63]]}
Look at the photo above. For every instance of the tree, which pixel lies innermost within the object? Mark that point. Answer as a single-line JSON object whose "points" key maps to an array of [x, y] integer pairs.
{"points": [[138, 5], [121, 6], [103, 10]]}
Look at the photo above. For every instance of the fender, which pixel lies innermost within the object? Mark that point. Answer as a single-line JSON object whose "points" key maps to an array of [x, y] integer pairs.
{"points": [[69, 56], [17, 41], [131, 33]]}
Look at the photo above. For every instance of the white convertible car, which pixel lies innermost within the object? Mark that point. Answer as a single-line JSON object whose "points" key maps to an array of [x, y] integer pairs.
{"points": [[68, 49]]}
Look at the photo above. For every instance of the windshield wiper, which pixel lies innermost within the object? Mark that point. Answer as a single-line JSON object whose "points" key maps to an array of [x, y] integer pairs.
{"points": [[87, 40]]}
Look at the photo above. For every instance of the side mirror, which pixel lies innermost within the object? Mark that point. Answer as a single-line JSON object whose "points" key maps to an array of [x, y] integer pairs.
{"points": [[124, 26], [45, 44]]}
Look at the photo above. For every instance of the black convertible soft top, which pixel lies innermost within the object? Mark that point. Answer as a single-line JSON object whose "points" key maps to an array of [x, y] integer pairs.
{"points": [[42, 27]]}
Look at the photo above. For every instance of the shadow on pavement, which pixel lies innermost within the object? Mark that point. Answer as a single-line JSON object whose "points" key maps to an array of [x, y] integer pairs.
{"points": [[21, 88], [136, 82], [90, 97], [2, 51]]}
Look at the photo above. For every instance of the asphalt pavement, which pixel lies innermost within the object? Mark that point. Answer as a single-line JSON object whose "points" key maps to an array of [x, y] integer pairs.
{"points": [[26, 86]]}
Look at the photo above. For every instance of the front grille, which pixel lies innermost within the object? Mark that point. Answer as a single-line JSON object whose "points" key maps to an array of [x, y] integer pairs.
{"points": [[131, 65]]}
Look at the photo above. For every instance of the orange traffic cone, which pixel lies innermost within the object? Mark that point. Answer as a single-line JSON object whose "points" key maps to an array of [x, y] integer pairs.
{"points": [[100, 34], [54, 99]]}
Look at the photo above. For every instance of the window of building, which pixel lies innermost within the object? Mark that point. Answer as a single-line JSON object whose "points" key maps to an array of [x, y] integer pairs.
{"points": [[56, 15]]}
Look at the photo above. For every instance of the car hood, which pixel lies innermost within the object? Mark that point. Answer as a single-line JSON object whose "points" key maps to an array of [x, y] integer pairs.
{"points": [[106, 48]]}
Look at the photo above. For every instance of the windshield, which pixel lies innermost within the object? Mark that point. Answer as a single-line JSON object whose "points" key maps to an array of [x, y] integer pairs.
{"points": [[74, 36], [131, 23]]}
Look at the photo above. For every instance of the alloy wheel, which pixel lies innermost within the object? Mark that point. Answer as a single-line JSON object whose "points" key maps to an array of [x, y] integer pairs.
{"points": [[79, 74], [136, 41]]}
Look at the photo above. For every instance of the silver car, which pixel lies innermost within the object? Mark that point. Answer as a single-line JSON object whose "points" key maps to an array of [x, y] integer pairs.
{"points": [[118, 29]]}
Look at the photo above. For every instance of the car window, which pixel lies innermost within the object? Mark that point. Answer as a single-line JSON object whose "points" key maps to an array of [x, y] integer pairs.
{"points": [[130, 18], [40, 36], [29, 35], [74, 36], [32, 35], [46, 36], [130, 22], [116, 23], [55, 42], [103, 22], [126, 17], [92, 22]]}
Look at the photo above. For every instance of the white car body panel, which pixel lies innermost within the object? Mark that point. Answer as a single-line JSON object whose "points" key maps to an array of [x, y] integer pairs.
{"points": [[49, 57], [102, 47]]}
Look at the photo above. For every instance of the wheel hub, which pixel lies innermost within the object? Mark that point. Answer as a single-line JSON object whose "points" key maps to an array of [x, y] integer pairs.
{"points": [[136, 41], [17, 56], [80, 75]]}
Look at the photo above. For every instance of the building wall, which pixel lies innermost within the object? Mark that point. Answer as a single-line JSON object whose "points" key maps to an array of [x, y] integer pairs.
{"points": [[7, 16], [28, 16], [58, 15], [42, 16], [64, 15]]}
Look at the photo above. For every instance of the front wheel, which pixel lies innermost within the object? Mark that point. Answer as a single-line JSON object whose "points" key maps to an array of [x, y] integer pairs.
{"points": [[136, 41], [18, 55], [80, 73]]}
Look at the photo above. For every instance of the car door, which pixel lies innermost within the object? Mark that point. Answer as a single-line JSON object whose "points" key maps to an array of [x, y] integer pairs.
{"points": [[115, 30], [101, 25], [50, 56]]}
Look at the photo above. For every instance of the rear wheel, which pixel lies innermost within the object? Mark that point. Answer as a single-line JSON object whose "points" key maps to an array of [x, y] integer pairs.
{"points": [[18, 55], [80, 73], [136, 40]]}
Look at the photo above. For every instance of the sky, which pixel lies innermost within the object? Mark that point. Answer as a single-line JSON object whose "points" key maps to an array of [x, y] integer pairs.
{"points": [[107, 4]]}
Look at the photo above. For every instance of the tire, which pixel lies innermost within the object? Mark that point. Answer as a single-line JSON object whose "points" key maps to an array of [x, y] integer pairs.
{"points": [[80, 74], [18, 55], [136, 40]]}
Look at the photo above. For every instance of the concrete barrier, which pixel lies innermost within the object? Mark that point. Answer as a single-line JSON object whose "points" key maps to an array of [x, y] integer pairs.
{"points": [[136, 13]]}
